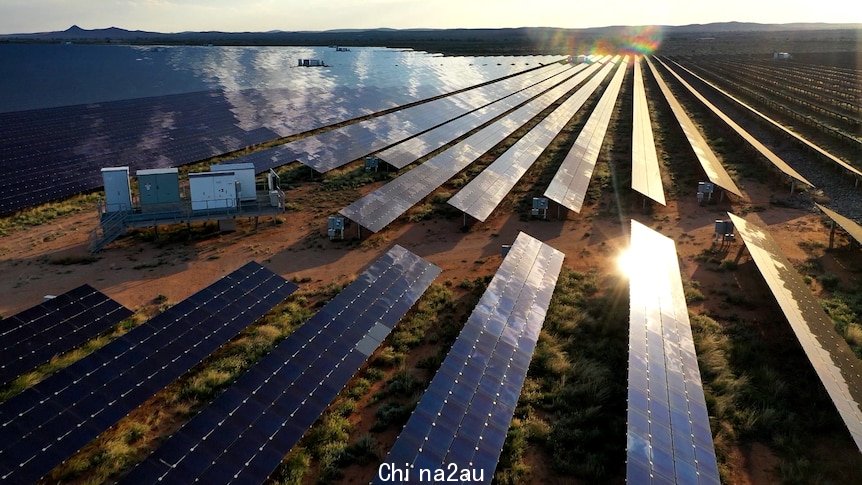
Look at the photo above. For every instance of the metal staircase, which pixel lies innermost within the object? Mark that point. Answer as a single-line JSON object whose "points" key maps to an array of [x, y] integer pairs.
{"points": [[111, 226]]}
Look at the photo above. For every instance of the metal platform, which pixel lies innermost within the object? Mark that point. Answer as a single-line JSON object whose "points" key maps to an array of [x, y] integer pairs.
{"points": [[114, 224]]}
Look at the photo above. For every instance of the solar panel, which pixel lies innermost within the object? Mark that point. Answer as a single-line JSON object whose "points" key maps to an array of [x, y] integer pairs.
{"points": [[462, 419], [31, 337], [849, 225], [714, 170], [833, 360], [50, 421], [777, 161], [332, 149], [410, 150], [72, 143], [778, 125], [646, 176], [482, 195], [337, 147], [668, 434], [569, 186], [244, 434], [382, 206]]}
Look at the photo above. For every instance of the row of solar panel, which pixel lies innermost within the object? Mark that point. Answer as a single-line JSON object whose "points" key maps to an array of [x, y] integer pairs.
{"points": [[282, 104], [463, 417], [164, 134], [646, 176], [776, 161], [423, 78], [338, 147], [47, 423], [668, 433], [409, 151], [821, 77], [32, 337], [569, 185], [712, 167], [836, 104], [484, 193], [335, 148], [853, 170], [244, 434], [832, 358], [379, 208]]}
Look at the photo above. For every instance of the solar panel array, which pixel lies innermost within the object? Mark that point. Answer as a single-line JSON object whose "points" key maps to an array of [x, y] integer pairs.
{"points": [[484, 193], [408, 151], [50, 421], [464, 415], [778, 125], [714, 170], [48, 154], [332, 149], [244, 434], [31, 337], [569, 185], [849, 225], [833, 360], [382, 206], [777, 161], [646, 176], [53, 153], [668, 434]]}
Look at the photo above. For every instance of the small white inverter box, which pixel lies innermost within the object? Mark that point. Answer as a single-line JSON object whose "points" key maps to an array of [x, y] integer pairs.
{"points": [[212, 190], [244, 173]]}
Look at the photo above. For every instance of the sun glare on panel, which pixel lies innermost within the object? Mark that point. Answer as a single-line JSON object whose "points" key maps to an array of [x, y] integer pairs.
{"points": [[626, 262], [640, 258]]}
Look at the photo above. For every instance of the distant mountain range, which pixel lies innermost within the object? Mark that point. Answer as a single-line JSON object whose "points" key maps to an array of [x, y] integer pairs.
{"points": [[118, 34], [725, 37]]}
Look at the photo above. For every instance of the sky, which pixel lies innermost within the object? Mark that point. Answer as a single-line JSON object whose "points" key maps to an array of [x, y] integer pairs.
{"points": [[18, 16]]}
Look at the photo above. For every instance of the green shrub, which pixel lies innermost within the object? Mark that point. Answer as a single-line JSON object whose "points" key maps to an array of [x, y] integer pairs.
{"points": [[391, 413], [829, 281], [402, 383]]}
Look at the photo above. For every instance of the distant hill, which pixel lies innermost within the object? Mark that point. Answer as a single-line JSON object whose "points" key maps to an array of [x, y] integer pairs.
{"points": [[115, 33], [525, 40]]}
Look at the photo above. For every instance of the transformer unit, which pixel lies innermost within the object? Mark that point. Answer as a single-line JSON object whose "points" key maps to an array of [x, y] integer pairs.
{"points": [[704, 192], [371, 164], [118, 193], [723, 231], [158, 189], [540, 207], [335, 227]]}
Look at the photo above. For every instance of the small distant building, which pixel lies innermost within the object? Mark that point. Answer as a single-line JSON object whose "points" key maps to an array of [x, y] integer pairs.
{"points": [[781, 55], [310, 63]]}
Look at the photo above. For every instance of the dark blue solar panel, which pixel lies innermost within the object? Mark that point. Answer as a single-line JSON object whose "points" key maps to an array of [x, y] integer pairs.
{"points": [[30, 338], [71, 144], [464, 415], [250, 427], [49, 422]]}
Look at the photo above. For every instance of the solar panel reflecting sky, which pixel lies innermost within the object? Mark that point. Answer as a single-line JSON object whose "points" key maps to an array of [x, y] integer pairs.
{"points": [[153, 107]]}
